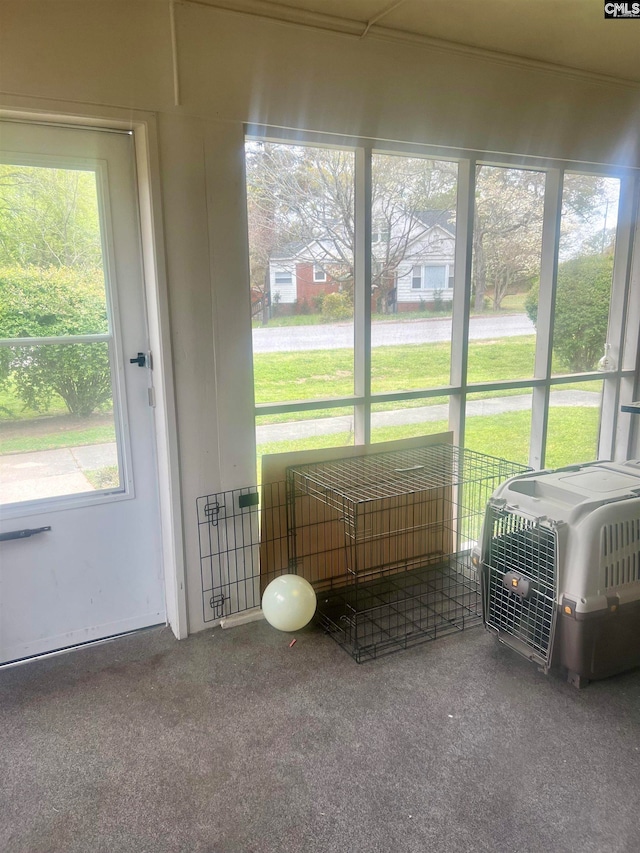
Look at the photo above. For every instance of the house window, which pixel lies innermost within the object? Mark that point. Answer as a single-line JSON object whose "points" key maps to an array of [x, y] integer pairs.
{"points": [[498, 361], [431, 277], [282, 277], [319, 274]]}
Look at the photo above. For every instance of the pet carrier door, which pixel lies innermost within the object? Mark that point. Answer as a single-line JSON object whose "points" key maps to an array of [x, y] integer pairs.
{"points": [[519, 571]]}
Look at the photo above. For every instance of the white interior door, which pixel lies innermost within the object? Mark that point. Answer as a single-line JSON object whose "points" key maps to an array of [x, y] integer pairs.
{"points": [[77, 459]]}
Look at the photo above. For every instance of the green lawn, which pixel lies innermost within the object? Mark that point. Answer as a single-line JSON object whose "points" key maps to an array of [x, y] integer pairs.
{"points": [[572, 436], [307, 375], [313, 374], [13, 409], [83, 435]]}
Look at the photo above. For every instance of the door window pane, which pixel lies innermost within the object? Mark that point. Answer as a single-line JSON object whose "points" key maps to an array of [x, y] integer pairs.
{"points": [[507, 242], [57, 433], [301, 243], [57, 426], [413, 202], [585, 272]]}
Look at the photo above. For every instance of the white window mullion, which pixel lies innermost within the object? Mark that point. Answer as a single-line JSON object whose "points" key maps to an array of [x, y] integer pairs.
{"points": [[461, 302], [56, 339], [362, 296], [627, 272], [544, 324], [615, 431]]}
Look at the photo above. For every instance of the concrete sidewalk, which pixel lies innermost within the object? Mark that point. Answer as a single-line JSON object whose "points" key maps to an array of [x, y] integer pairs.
{"points": [[52, 473], [417, 414]]}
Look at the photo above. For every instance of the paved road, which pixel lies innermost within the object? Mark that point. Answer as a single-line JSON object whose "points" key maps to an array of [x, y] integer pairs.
{"points": [[386, 333]]}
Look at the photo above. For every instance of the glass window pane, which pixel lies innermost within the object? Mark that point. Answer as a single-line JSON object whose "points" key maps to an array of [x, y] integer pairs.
{"points": [[51, 271], [301, 241], [507, 242], [304, 431], [413, 205], [57, 427], [57, 430], [499, 424], [406, 419], [574, 423], [435, 277], [585, 272]]}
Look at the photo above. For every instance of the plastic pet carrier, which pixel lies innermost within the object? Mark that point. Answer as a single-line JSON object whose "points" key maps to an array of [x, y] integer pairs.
{"points": [[560, 568]]}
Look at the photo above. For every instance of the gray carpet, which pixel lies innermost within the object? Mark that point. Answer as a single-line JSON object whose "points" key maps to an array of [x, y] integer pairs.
{"points": [[233, 742]]}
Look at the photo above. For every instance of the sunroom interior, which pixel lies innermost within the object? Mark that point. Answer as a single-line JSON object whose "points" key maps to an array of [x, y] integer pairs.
{"points": [[531, 105]]}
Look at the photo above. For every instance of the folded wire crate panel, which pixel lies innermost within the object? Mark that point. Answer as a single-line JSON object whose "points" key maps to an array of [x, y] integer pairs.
{"points": [[229, 533], [560, 568]]}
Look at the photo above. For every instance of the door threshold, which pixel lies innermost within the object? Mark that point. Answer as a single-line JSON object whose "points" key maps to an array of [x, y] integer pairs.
{"points": [[57, 652]]}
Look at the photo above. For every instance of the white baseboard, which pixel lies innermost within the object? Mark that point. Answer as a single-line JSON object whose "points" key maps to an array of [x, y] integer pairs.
{"points": [[236, 619]]}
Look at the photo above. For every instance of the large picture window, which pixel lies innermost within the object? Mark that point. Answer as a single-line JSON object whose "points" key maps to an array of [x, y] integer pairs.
{"points": [[486, 309]]}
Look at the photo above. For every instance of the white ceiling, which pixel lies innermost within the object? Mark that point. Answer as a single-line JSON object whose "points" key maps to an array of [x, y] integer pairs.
{"points": [[569, 33]]}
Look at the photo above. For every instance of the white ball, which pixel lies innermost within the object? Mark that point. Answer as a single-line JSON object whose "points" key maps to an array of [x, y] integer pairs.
{"points": [[289, 602]]}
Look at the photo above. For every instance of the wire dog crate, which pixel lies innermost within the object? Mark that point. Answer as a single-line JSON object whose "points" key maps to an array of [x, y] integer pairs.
{"points": [[407, 521], [384, 539]]}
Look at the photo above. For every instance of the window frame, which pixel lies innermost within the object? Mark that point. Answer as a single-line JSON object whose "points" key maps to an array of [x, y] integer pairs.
{"points": [[287, 273], [446, 285], [619, 385], [319, 275]]}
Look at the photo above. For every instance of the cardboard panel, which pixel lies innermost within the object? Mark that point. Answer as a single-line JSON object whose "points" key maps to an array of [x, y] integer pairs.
{"points": [[382, 534]]}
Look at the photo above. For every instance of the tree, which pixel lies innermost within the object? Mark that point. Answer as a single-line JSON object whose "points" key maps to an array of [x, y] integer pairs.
{"points": [[301, 199], [48, 217], [581, 313], [507, 235], [507, 232], [301, 202], [52, 285], [37, 302]]}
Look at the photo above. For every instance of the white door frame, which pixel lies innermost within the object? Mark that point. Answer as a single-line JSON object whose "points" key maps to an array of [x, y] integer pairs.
{"points": [[144, 128]]}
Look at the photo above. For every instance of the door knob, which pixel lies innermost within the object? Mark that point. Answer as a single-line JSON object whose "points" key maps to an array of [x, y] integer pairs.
{"points": [[140, 360]]}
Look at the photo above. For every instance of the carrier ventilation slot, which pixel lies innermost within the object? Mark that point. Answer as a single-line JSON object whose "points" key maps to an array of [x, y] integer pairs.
{"points": [[521, 550], [620, 553]]}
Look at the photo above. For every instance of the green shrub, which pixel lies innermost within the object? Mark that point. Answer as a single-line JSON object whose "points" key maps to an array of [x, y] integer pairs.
{"points": [[337, 306], [581, 313], [51, 302]]}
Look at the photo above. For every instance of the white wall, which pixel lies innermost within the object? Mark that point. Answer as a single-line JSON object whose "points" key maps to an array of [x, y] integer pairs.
{"points": [[89, 57]]}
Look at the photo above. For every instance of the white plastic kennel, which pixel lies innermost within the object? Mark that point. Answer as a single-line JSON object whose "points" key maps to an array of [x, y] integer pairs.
{"points": [[560, 567]]}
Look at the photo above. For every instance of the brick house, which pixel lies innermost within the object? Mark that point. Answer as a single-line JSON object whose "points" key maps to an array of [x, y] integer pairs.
{"points": [[418, 275]]}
